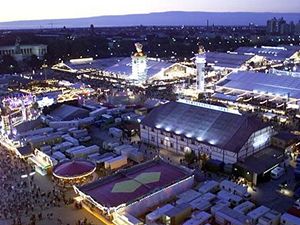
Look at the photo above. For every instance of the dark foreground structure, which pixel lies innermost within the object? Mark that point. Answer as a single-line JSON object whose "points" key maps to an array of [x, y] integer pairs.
{"points": [[136, 190]]}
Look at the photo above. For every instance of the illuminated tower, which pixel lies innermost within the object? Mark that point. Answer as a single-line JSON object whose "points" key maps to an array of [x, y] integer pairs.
{"points": [[200, 64], [18, 53], [26, 106], [139, 64], [17, 46], [16, 110], [6, 126], [24, 111]]}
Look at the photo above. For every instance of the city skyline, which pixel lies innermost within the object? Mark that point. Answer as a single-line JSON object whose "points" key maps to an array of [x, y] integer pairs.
{"points": [[63, 9], [139, 112]]}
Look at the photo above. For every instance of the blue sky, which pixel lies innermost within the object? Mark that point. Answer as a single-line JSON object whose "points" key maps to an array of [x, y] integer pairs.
{"points": [[50, 9]]}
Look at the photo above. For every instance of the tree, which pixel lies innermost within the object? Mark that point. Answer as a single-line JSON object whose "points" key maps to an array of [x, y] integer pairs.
{"points": [[9, 65], [201, 96], [34, 63], [190, 157], [92, 29]]}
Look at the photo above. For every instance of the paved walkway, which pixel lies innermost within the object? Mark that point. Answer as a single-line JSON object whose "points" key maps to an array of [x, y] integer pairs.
{"points": [[42, 196], [67, 213], [269, 193]]}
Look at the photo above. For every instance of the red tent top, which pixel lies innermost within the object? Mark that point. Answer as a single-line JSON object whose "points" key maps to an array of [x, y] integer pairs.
{"points": [[73, 168]]}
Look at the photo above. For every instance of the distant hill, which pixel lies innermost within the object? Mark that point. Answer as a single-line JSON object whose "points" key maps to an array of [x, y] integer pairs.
{"points": [[156, 19]]}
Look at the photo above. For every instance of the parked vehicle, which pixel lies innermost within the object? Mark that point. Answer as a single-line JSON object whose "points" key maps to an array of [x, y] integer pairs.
{"points": [[277, 173]]}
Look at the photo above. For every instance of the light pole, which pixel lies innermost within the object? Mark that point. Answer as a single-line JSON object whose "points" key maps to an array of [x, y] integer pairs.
{"points": [[44, 67], [28, 178]]}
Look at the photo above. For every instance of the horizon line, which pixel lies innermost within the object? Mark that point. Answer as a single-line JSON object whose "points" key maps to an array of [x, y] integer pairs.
{"points": [[133, 14]]}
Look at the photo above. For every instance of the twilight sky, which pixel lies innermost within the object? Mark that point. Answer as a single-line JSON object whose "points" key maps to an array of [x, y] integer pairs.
{"points": [[52, 9]]}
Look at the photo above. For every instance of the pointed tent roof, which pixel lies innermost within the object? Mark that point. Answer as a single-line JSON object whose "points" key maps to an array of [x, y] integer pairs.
{"points": [[74, 168]]}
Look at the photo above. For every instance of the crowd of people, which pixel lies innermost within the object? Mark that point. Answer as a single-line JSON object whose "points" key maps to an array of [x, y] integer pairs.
{"points": [[20, 196]]}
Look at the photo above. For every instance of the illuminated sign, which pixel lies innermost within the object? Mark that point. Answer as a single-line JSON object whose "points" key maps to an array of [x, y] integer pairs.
{"points": [[46, 101], [208, 106], [81, 60]]}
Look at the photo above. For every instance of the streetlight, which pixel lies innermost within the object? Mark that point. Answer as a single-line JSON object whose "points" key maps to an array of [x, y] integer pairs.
{"points": [[24, 176], [44, 67]]}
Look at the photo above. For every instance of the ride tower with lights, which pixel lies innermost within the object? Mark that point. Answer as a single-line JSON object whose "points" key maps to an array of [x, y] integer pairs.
{"points": [[139, 64], [200, 65]]}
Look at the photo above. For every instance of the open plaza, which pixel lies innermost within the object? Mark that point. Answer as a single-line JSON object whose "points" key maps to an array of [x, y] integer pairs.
{"points": [[211, 139]]}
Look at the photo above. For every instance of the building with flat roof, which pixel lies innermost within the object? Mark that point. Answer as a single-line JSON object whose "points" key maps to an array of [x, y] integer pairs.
{"points": [[68, 112], [229, 216], [21, 52], [271, 217], [294, 72], [199, 219], [124, 68], [286, 140], [288, 218], [271, 87], [137, 189], [272, 54], [255, 214], [269, 84], [257, 167], [153, 68], [138, 69], [85, 65], [178, 214], [232, 61], [219, 133], [157, 214]]}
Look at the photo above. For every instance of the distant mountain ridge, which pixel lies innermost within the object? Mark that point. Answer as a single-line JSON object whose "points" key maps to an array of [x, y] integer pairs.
{"points": [[156, 19]]}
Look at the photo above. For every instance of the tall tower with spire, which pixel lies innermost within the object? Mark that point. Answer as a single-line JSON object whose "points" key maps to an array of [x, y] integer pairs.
{"points": [[17, 46], [200, 65], [139, 64], [18, 54]]}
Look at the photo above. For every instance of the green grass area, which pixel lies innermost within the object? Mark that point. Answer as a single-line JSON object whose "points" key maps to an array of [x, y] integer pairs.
{"points": [[147, 178], [130, 186]]}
